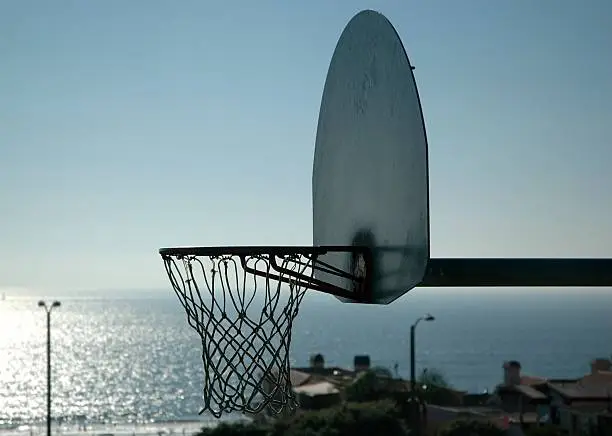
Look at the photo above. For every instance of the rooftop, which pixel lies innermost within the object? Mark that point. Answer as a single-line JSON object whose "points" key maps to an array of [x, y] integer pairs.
{"points": [[319, 388], [530, 392], [596, 386]]}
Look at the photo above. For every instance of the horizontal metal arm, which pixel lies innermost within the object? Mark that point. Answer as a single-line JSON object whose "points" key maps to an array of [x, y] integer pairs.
{"points": [[452, 272]]}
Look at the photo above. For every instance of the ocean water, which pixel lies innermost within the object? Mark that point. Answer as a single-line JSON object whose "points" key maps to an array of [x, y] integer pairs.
{"points": [[131, 358]]}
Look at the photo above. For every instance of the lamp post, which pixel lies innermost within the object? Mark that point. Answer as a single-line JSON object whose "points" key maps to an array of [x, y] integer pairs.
{"points": [[48, 309], [427, 317]]}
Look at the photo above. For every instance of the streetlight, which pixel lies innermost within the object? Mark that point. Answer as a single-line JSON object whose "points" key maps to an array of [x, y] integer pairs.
{"points": [[427, 317], [48, 309]]}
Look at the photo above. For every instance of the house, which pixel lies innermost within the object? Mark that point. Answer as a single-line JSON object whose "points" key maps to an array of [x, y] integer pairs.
{"points": [[317, 372], [318, 386], [318, 395], [572, 404], [521, 395], [579, 404]]}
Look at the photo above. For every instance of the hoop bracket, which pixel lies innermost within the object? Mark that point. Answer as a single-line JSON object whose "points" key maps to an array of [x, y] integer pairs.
{"points": [[359, 273]]}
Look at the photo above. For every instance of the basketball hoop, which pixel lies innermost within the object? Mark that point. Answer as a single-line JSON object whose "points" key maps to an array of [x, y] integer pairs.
{"points": [[242, 302], [371, 242]]}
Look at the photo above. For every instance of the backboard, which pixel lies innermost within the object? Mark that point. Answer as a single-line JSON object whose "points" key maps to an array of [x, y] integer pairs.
{"points": [[370, 178]]}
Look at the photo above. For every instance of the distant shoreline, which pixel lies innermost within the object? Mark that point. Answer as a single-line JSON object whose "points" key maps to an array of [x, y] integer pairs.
{"points": [[172, 427]]}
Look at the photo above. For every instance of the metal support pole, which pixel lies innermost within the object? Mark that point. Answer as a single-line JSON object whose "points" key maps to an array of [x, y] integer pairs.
{"points": [[48, 309], [49, 372], [416, 403], [412, 363], [518, 272]]}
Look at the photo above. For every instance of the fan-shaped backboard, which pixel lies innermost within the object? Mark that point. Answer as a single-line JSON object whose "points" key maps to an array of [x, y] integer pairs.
{"points": [[370, 179]]}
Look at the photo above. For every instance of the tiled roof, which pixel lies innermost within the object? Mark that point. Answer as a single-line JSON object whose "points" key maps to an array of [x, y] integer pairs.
{"points": [[298, 378], [530, 392], [532, 380], [584, 389], [337, 376], [327, 371], [597, 378]]}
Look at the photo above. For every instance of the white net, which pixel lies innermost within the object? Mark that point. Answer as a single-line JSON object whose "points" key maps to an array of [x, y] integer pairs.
{"points": [[243, 307]]}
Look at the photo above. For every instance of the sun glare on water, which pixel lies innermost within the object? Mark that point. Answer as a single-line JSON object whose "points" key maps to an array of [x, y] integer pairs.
{"points": [[22, 354]]}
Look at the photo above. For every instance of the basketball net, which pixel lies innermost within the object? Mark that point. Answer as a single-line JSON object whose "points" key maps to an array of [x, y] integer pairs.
{"points": [[244, 320]]}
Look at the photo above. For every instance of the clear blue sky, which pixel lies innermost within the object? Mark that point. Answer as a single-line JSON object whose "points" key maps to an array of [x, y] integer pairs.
{"points": [[130, 125]]}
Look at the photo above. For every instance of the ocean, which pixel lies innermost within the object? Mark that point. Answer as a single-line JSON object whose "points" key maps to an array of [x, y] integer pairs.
{"points": [[130, 359]]}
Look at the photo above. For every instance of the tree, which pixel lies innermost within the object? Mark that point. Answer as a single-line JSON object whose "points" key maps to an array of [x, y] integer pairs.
{"points": [[383, 372], [433, 377], [435, 389], [365, 387]]}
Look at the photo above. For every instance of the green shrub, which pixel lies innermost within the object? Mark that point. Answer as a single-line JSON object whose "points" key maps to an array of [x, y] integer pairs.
{"points": [[236, 429], [354, 419], [351, 419], [471, 428], [546, 430], [365, 388]]}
